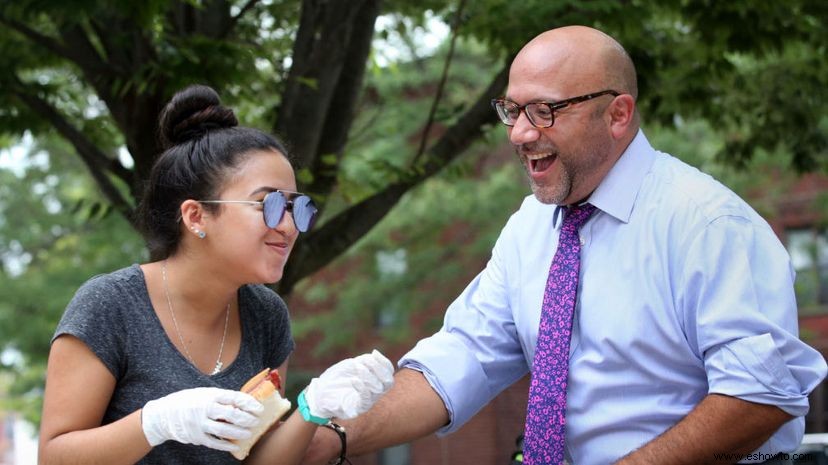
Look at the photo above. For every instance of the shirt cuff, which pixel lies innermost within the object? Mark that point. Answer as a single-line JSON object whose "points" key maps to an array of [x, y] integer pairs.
{"points": [[752, 369], [460, 381]]}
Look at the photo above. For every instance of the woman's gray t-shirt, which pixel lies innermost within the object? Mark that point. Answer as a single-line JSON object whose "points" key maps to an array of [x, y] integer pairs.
{"points": [[113, 315]]}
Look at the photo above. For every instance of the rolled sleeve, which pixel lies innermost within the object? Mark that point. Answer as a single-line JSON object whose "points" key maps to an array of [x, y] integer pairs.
{"points": [[458, 378], [742, 315], [477, 352], [753, 369], [741, 318]]}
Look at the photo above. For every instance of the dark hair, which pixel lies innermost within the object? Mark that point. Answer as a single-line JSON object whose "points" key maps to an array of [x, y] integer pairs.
{"points": [[202, 145]]}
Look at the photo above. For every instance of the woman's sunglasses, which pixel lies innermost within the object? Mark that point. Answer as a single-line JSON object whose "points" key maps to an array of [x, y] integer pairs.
{"points": [[274, 205]]}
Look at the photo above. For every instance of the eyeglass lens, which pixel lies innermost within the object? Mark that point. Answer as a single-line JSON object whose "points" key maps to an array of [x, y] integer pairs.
{"points": [[538, 113], [302, 208]]}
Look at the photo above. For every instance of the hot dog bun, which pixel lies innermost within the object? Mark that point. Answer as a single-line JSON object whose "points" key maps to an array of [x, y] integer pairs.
{"points": [[264, 387]]}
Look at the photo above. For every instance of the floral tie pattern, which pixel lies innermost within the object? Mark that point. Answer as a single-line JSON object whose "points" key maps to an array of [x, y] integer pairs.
{"points": [[546, 410]]}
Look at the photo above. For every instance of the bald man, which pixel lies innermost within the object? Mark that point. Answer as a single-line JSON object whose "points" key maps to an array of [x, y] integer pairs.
{"points": [[684, 344]]}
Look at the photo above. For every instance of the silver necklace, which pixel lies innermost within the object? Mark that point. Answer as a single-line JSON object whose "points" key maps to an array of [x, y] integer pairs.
{"points": [[219, 363]]}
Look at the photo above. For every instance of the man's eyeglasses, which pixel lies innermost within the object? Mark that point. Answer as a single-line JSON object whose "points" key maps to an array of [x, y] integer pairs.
{"points": [[274, 205], [540, 114]]}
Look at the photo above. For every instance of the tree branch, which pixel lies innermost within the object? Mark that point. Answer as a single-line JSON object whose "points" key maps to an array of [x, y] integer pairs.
{"points": [[455, 28], [85, 56], [321, 246], [49, 43], [95, 160], [235, 19], [467, 129]]}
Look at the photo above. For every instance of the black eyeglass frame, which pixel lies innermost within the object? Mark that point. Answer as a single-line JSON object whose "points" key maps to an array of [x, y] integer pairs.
{"points": [[499, 105]]}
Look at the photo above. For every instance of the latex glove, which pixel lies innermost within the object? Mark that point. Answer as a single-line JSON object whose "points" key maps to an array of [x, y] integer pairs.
{"points": [[204, 416], [350, 387]]}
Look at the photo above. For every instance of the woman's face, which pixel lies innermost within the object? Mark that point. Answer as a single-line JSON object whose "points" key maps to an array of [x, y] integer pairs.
{"points": [[243, 244]]}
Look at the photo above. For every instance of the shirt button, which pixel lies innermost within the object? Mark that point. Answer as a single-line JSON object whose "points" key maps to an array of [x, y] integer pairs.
{"points": [[583, 241]]}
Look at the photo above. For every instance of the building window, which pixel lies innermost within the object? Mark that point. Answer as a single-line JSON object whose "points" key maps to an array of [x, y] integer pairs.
{"points": [[809, 255], [391, 266], [397, 455]]}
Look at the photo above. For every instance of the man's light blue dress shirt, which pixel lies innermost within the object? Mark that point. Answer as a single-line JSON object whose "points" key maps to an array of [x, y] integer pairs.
{"points": [[685, 291]]}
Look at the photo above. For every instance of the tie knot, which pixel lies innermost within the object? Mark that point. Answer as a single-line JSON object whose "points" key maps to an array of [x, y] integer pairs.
{"points": [[577, 216]]}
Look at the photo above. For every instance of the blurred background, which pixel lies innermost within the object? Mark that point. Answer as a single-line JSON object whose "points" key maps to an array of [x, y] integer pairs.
{"points": [[385, 106]]}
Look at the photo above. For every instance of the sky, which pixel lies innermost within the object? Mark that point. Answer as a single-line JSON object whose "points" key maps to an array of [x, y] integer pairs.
{"points": [[14, 158]]}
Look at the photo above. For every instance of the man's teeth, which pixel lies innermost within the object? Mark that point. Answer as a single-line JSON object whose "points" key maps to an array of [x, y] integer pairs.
{"points": [[538, 156]]}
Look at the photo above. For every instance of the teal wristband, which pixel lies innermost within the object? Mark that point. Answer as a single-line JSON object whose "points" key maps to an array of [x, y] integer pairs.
{"points": [[305, 411]]}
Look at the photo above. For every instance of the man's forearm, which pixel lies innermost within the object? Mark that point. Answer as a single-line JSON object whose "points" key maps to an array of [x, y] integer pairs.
{"points": [[720, 426], [410, 410]]}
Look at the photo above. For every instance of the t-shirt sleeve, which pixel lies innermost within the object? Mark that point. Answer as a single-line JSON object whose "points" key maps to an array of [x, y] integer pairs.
{"points": [[284, 343], [273, 326], [93, 317]]}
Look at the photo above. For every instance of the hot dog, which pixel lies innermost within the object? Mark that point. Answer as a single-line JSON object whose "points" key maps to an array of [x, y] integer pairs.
{"points": [[264, 387]]}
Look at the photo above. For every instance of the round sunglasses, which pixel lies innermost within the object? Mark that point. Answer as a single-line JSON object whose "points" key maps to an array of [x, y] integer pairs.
{"points": [[275, 204]]}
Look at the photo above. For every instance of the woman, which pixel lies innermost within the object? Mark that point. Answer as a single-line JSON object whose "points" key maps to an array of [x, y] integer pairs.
{"points": [[146, 363]]}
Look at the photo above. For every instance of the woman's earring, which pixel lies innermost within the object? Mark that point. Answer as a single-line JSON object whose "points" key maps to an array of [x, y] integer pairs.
{"points": [[201, 234]]}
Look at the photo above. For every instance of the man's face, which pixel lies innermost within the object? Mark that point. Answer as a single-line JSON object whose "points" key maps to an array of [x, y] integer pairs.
{"points": [[564, 162]]}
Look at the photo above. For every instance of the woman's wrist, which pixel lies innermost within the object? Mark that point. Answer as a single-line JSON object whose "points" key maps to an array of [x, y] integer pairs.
{"points": [[304, 409]]}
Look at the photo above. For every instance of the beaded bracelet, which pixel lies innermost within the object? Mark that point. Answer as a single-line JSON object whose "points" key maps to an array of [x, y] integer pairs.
{"points": [[340, 431]]}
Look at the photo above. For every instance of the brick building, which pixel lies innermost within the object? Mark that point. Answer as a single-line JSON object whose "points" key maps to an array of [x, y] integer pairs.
{"points": [[800, 219]]}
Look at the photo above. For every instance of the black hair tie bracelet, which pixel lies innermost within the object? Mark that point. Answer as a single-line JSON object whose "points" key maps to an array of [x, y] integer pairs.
{"points": [[340, 431]]}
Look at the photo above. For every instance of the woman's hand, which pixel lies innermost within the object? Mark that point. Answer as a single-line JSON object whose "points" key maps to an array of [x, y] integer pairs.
{"points": [[203, 416], [350, 387]]}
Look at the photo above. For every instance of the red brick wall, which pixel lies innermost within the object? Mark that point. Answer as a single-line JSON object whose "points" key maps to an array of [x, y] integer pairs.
{"points": [[797, 208]]}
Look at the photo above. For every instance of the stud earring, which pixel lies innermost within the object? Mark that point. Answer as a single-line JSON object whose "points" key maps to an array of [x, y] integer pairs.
{"points": [[201, 234]]}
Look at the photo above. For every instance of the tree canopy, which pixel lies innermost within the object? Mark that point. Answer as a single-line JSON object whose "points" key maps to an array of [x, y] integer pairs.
{"points": [[98, 72]]}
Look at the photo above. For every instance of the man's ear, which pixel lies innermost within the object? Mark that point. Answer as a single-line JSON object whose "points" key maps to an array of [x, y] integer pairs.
{"points": [[622, 115], [194, 217]]}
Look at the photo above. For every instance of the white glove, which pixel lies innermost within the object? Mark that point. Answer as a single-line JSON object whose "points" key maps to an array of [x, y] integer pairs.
{"points": [[350, 387], [204, 416]]}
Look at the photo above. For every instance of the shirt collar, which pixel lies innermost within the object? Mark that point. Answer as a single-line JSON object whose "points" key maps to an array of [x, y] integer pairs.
{"points": [[617, 192]]}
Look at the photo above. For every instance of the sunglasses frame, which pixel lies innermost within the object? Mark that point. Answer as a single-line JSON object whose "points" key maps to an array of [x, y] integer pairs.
{"points": [[289, 199]]}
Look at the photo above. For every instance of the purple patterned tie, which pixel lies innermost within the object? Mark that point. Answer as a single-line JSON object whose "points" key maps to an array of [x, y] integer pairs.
{"points": [[546, 410]]}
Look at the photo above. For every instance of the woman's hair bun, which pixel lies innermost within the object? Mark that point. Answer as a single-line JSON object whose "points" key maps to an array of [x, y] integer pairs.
{"points": [[191, 113]]}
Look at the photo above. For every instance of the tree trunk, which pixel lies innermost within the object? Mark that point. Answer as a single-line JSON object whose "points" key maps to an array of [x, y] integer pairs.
{"points": [[325, 79]]}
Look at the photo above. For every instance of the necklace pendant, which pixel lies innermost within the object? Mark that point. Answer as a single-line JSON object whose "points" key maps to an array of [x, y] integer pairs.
{"points": [[217, 369]]}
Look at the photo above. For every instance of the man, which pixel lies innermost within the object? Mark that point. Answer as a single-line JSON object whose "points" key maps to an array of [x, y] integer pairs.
{"points": [[684, 346]]}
